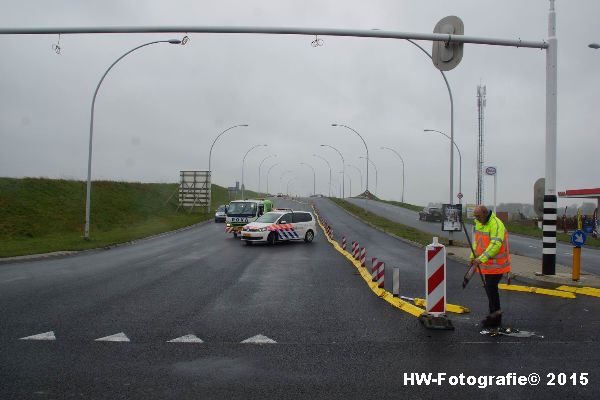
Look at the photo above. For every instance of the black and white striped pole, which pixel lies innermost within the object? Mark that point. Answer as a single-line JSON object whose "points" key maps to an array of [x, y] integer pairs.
{"points": [[550, 200]]}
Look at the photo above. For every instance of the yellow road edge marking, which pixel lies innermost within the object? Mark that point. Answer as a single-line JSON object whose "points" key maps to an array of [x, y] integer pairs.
{"points": [[387, 296], [453, 308], [588, 291], [530, 289]]}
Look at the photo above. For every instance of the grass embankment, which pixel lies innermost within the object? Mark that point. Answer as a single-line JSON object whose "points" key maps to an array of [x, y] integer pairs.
{"points": [[403, 231], [403, 205], [39, 215], [529, 229]]}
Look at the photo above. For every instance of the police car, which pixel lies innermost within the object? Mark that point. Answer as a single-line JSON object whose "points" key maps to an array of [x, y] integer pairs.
{"points": [[280, 225]]}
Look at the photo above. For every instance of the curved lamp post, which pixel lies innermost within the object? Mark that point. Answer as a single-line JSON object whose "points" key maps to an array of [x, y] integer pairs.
{"points": [[366, 148], [86, 233], [268, 172], [210, 157], [450, 234], [359, 172], [459, 165], [244, 161], [259, 167], [376, 174], [349, 181], [314, 177], [343, 168], [288, 185], [401, 159], [322, 158], [281, 177]]}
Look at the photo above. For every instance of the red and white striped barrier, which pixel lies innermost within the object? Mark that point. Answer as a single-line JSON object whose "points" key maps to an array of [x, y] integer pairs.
{"points": [[355, 250], [363, 256], [435, 284], [380, 275], [374, 268], [344, 243]]}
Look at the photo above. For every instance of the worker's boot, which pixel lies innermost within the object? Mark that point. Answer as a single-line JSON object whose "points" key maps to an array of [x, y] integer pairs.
{"points": [[494, 320]]}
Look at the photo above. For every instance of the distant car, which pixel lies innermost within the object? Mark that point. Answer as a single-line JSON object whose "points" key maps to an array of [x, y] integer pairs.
{"points": [[221, 214], [281, 225], [430, 214]]}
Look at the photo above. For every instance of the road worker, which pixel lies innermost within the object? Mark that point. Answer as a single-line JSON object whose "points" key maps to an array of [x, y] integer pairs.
{"points": [[491, 258]]}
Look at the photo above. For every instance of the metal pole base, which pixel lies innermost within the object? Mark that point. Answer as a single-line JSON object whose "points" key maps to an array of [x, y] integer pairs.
{"points": [[438, 322]]}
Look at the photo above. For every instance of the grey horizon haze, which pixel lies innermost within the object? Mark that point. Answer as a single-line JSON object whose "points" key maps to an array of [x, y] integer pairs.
{"points": [[159, 109]]}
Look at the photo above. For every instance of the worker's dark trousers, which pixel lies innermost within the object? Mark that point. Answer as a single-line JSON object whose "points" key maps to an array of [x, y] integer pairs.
{"points": [[491, 288]]}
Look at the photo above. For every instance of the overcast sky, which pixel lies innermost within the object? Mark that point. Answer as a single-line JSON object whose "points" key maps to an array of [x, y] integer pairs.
{"points": [[160, 108]]}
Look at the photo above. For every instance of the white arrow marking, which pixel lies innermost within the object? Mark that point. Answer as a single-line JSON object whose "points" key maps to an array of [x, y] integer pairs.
{"points": [[187, 339], [117, 337], [41, 336], [579, 238], [259, 339]]}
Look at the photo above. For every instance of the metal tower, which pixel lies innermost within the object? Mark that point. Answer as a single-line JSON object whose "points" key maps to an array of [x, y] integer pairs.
{"points": [[480, 146]]}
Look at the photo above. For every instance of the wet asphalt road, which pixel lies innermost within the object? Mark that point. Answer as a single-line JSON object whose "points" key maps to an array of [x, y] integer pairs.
{"points": [[335, 338], [519, 244]]}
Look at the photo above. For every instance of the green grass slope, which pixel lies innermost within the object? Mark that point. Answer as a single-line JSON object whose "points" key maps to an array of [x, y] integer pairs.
{"points": [[39, 215]]}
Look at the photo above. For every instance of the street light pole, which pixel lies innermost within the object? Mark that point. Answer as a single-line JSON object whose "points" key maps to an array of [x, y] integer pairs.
{"points": [[281, 177], [88, 199], [259, 167], [359, 172], [343, 168], [450, 234], [459, 163], [366, 148], [210, 157], [244, 161], [376, 174], [401, 159], [322, 158], [314, 177], [268, 172], [288, 185]]}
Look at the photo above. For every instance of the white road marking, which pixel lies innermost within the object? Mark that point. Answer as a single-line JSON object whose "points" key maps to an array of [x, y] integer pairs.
{"points": [[259, 339], [117, 337], [186, 339], [41, 336]]}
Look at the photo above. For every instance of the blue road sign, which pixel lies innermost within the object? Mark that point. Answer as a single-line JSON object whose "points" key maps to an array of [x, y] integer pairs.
{"points": [[578, 238]]}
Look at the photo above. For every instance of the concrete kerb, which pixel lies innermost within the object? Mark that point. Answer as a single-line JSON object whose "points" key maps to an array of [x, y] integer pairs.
{"points": [[63, 254]]}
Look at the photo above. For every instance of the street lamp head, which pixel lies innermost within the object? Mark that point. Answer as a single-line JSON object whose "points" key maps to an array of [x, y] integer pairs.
{"points": [[174, 41], [594, 46], [243, 125], [334, 124]]}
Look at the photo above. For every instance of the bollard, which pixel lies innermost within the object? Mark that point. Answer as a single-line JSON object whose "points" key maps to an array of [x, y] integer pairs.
{"points": [[374, 268], [356, 250], [344, 243], [435, 287], [363, 256], [575, 274], [396, 282], [380, 275]]}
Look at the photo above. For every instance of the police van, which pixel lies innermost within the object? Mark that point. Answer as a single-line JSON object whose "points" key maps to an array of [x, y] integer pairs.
{"points": [[280, 225], [241, 212]]}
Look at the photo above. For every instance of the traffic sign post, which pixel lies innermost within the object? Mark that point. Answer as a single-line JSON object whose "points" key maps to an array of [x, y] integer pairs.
{"points": [[577, 239]]}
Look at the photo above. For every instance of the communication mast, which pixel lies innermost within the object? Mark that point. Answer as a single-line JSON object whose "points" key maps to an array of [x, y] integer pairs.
{"points": [[480, 145]]}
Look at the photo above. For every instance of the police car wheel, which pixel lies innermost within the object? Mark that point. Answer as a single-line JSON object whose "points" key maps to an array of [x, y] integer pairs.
{"points": [[309, 236], [248, 243], [271, 238]]}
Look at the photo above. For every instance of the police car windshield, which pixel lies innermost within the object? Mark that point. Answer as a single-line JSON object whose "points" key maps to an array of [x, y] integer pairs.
{"points": [[245, 208], [268, 218]]}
